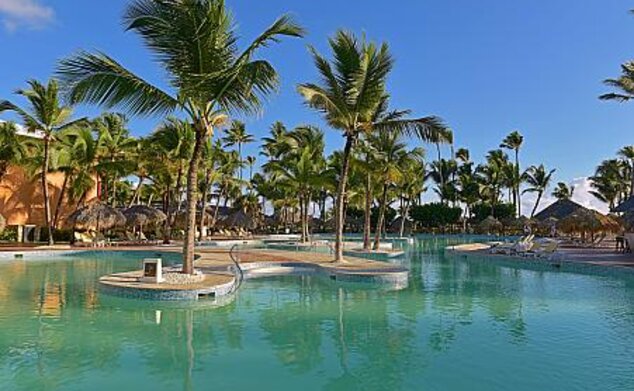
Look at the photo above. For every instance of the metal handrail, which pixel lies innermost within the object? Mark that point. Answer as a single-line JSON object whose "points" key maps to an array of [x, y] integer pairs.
{"points": [[239, 273]]}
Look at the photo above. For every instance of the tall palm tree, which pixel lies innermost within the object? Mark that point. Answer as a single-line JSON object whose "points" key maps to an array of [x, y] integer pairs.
{"points": [[392, 160], [627, 153], [237, 135], [563, 191], [299, 171], [352, 87], [117, 147], [250, 160], [538, 180], [175, 140], [45, 114], [514, 142], [11, 149], [196, 43], [610, 182]]}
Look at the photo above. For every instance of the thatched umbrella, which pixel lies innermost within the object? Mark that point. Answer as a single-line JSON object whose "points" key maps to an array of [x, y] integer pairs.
{"points": [[3, 223], [589, 221], [140, 215], [490, 224], [239, 219], [96, 217]]}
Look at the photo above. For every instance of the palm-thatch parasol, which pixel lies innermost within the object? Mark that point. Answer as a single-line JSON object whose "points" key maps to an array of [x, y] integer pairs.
{"points": [[589, 221], [559, 210], [239, 219], [490, 224], [96, 217], [3, 223], [140, 215]]}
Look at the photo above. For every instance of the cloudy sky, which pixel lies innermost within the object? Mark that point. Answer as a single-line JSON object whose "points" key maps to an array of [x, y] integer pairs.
{"points": [[486, 67]]}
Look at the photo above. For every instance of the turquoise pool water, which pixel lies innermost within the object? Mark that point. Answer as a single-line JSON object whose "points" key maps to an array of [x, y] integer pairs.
{"points": [[461, 325]]}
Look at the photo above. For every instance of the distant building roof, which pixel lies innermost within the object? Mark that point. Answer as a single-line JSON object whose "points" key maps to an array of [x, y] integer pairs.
{"points": [[23, 131]]}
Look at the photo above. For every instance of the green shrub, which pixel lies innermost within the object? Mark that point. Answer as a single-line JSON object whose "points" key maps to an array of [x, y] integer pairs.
{"points": [[436, 215]]}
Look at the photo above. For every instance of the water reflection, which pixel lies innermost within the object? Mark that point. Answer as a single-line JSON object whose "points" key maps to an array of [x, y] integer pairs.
{"points": [[58, 332]]}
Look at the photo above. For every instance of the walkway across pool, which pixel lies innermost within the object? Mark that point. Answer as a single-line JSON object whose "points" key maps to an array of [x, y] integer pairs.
{"points": [[215, 264]]}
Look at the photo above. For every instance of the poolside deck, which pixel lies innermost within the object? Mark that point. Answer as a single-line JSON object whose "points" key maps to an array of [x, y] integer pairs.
{"points": [[605, 256]]}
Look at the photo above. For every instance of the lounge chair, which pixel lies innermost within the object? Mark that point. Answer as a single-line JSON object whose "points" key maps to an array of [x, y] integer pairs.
{"points": [[546, 248], [511, 248]]}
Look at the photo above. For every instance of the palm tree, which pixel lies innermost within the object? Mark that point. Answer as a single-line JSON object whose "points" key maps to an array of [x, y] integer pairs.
{"points": [[392, 159], [351, 90], [538, 181], [117, 147], [46, 114], [514, 142], [610, 182], [627, 153], [250, 160], [11, 149], [624, 84], [237, 135], [563, 191], [299, 170], [491, 176], [175, 140], [196, 43]]}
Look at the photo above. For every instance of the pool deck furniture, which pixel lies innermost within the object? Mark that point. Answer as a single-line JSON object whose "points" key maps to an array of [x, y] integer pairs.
{"points": [[603, 260]]}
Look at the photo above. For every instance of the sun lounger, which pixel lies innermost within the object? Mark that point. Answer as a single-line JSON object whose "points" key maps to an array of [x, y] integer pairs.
{"points": [[546, 248], [510, 248]]}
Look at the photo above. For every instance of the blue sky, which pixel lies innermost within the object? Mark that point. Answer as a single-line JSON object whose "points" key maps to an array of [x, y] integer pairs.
{"points": [[487, 67]]}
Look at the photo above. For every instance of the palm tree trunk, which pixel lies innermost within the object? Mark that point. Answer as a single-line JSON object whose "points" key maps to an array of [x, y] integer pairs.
{"points": [[137, 191], [179, 184], [632, 178], [367, 222], [58, 207], [403, 217], [517, 188], [47, 203], [379, 224], [192, 190], [169, 221], [240, 166], [217, 209], [539, 198], [203, 208], [340, 203]]}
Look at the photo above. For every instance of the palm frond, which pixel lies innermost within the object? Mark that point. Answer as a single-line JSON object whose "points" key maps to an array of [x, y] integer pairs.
{"points": [[99, 79]]}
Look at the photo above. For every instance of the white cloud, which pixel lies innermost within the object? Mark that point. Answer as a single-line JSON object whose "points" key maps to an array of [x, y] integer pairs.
{"points": [[581, 196], [27, 13]]}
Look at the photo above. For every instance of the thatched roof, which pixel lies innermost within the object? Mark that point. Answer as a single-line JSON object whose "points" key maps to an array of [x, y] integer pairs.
{"points": [[559, 210], [490, 224], [549, 223], [142, 215], [96, 217], [521, 222], [3, 223], [626, 206], [395, 226], [239, 219], [588, 220]]}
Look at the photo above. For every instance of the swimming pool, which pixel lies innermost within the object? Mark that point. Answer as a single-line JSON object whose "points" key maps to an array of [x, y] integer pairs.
{"points": [[460, 325]]}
